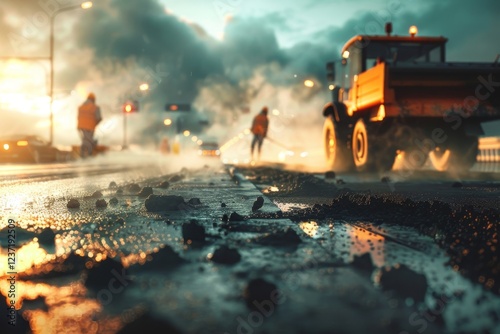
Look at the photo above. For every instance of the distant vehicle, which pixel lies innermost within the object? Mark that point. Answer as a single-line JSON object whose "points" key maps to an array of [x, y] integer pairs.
{"points": [[399, 94], [30, 149], [209, 149]]}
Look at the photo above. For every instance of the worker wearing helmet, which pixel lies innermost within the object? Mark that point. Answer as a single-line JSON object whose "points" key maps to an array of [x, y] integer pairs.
{"points": [[89, 115], [259, 129]]}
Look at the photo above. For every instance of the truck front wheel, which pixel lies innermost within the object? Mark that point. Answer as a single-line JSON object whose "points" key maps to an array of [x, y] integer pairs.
{"points": [[337, 155]]}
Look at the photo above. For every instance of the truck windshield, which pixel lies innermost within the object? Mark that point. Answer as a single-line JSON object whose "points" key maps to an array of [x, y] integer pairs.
{"points": [[403, 52]]}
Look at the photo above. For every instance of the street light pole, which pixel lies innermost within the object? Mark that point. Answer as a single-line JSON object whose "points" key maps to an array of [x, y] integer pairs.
{"points": [[85, 5]]}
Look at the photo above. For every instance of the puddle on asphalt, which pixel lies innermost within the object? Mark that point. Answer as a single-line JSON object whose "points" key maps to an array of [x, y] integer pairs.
{"points": [[423, 256]]}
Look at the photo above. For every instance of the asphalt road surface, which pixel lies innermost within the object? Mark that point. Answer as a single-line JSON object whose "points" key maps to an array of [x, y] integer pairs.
{"points": [[133, 243]]}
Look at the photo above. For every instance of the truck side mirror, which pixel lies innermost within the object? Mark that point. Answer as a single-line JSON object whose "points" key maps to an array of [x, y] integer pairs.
{"points": [[330, 71]]}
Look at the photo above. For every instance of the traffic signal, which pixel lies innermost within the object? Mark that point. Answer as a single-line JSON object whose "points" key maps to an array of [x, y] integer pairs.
{"points": [[177, 107], [130, 106]]}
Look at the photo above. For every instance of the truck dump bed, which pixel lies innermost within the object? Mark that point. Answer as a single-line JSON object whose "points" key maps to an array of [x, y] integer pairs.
{"points": [[435, 89], [430, 89]]}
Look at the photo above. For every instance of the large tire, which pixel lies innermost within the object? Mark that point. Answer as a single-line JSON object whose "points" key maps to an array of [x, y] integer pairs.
{"points": [[337, 154], [414, 158], [460, 156], [369, 155]]}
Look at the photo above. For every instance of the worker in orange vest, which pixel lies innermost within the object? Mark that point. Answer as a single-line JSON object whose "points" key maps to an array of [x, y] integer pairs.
{"points": [[89, 115], [259, 129]]}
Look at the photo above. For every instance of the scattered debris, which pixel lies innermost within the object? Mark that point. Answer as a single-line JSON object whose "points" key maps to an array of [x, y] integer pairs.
{"points": [[330, 175], [386, 179], [165, 258], [285, 237], [258, 203], [101, 203], [164, 185], [235, 217], [96, 194], [176, 178], [73, 204], [259, 291], [133, 188], [193, 232], [226, 255], [46, 236], [158, 203], [194, 201], [101, 273], [363, 262], [405, 282], [145, 192]]}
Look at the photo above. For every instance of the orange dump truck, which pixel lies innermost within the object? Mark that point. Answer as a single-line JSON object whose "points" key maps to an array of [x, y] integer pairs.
{"points": [[398, 95]]}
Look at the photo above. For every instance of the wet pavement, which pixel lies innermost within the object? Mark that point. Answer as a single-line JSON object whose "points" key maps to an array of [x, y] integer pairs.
{"points": [[194, 250]]}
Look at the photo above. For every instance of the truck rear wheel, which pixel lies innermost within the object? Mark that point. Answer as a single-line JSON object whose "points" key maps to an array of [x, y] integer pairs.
{"points": [[459, 157], [337, 155], [368, 155], [414, 157]]}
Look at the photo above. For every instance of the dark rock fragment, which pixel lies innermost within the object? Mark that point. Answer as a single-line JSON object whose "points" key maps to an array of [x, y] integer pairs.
{"points": [[96, 194], [226, 255], [101, 273], [158, 203], [287, 237], [113, 201], [46, 236], [165, 258], [330, 175], [101, 203], [133, 188], [73, 204], [145, 192], [363, 262], [176, 178], [405, 282], [259, 291], [164, 185], [192, 232], [258, 203], [235, 217], [194, 201]]}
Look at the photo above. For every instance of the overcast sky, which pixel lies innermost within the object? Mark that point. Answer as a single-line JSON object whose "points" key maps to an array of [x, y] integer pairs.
{"points": [[221, 55]]}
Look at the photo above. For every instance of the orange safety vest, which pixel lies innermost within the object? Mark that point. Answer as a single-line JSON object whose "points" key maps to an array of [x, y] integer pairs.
{"points": [[260, 124], [87, 118]]}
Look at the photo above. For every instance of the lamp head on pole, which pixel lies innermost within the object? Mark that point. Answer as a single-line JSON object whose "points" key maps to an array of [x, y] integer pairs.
{"points": [[87, 5]]}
